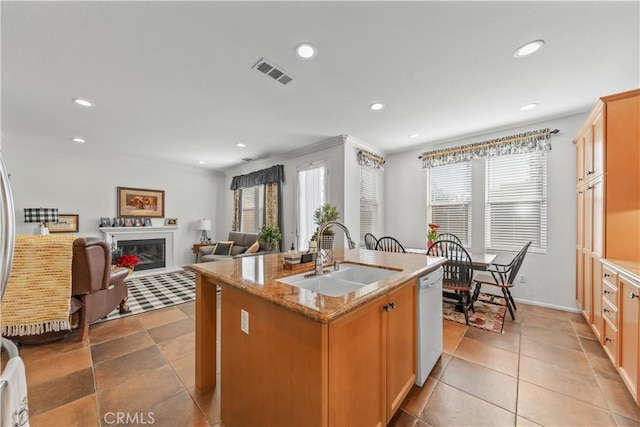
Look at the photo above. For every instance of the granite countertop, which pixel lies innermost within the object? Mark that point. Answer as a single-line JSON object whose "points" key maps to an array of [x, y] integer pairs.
{"points": [[258, 275], [632, 268]]}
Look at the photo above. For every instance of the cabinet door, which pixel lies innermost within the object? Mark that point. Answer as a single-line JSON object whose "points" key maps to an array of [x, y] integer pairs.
{"points": [[356, 367], [400, 345], [588, 155], [596, 320], [579, 279], [580, 160], [587, 239], [597, 143], [580, 217], [596, 190], [630, 294], [588, 287]]}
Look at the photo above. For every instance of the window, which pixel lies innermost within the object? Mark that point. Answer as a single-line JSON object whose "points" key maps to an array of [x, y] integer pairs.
{"points": [[516, 202], [252, 217], [311, 195], [368, 202], [449, 200]]}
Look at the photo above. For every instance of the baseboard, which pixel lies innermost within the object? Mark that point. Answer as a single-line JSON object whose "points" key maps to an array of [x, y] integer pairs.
{"points": [[553, 306]]}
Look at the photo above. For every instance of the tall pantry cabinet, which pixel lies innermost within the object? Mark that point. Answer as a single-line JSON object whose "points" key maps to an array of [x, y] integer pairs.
{"points": [[608, 221]]}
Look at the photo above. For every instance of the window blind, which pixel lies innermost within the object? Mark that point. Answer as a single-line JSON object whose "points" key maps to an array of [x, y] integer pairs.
{"points": [[449, 200], [516, 202], [369, 202], [252, 209]]}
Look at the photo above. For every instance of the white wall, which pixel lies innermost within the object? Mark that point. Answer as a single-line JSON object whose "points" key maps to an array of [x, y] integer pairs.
{"points": [[78, 184], [551, 276]]}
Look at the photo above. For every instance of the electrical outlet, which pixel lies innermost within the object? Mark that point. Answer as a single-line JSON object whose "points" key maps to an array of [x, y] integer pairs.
{"points": [[523, 278], [244, 321]]}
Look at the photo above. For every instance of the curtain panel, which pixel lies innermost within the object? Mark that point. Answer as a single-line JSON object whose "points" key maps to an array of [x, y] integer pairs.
{"points": [[370, 160], [528, 142], [237, 208], [264, 176]]}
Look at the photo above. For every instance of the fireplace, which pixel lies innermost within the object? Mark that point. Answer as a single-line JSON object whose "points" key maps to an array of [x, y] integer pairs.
{"points": [[122, 237], [152, 252]]}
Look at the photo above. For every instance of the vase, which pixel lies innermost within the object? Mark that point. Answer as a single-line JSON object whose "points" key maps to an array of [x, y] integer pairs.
{"points": [[130, 270]]}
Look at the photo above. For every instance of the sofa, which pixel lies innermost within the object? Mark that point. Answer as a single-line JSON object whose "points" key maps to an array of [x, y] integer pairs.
{"points": [[241, 242]]}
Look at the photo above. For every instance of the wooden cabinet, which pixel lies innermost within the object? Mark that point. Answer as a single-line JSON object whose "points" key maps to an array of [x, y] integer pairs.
{"points": [[291, 370], [356, 350], [629, 320], [607, 195]]}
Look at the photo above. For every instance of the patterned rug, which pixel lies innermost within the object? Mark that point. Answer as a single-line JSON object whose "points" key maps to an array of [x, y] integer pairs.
{"points": [[162, 290], [490, 311]]}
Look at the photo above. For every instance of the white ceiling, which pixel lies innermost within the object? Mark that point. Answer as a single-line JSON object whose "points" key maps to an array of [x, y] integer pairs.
{"points": [[174, 80]]}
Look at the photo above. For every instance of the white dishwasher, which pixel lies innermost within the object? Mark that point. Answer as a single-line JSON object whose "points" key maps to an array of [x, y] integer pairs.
{"points": [[429, 328]]}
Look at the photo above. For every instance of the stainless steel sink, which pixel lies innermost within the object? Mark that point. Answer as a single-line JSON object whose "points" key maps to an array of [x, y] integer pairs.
{"points": [[348, 278]]}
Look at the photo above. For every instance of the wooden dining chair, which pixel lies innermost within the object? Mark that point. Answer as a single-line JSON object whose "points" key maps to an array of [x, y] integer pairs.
{"points": [[503, 276], [449, 236], [457, 282], [389, 244], [370, 241]]}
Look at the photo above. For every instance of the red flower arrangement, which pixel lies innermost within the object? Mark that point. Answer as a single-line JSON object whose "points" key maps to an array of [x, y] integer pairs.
{"points": [[129, 261], [432, 235]]}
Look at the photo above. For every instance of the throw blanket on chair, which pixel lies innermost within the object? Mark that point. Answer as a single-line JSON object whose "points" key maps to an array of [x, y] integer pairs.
{"points": [[37, 298]]}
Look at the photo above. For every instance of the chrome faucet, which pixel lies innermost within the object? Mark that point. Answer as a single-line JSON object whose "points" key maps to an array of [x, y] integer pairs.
{"points": [[321, 230]]}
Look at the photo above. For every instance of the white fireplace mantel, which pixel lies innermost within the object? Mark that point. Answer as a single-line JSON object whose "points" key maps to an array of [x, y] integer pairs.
{"points": [[118, 234]]}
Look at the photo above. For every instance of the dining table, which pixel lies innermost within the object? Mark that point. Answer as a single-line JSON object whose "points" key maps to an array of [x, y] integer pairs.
{"points": [[479, 260]]}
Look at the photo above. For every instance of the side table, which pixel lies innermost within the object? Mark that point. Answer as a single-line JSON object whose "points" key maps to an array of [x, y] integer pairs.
{"points": [[196, 249]]}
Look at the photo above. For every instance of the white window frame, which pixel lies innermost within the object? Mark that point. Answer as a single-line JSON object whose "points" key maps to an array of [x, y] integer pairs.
{"points": [[516, 184], [304, 232], [464, 199]]}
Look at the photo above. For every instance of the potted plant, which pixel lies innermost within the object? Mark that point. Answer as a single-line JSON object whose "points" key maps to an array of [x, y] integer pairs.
{"points": [[270, 235], [324, 214]]}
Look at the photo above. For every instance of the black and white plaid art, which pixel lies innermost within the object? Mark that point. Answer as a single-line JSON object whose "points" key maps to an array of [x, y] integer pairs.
{"points": [[40, 215], [158, 291]]}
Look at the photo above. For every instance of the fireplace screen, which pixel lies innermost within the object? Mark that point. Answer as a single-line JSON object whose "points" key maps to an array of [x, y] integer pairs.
{"points": [[150, 251]]}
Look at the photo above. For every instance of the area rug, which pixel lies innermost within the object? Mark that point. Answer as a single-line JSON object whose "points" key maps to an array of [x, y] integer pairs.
{"points": [[489, 315], [158, 291]]}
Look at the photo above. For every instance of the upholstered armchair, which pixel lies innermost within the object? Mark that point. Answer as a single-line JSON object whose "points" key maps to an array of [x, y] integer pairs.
{"points": [[97, 287]]}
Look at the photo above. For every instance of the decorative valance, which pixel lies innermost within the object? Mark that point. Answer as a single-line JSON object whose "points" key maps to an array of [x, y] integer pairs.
{"points": [[264, 176], [537, 140], [371, 160]]}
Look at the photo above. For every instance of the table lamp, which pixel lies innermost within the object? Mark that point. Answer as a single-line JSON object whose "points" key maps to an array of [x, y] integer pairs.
{"points": [[204, 225], [41, 216]]}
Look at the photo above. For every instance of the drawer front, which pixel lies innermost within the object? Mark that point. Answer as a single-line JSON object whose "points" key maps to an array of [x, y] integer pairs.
{"points": [[610, 293], [609, 277], [610, 312], [610, 341]]}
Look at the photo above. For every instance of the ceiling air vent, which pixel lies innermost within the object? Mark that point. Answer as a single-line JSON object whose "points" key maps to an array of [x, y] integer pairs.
{"points": [[246, 159], [272, 71]]}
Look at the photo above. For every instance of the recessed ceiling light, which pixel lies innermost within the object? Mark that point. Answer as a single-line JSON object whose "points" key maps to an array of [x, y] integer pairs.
{"points": [[82, 102], [202, 162], [529, 106], [528, 48], [414, 135], [306, 50], [376, 106], [240, 144], [79, 140]]}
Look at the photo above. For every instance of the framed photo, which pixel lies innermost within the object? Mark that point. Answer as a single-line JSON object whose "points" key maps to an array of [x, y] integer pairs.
{"points": [[138, 202], [105, 222], [147, 222], [128, 222], [171, 221], [67, 223]]}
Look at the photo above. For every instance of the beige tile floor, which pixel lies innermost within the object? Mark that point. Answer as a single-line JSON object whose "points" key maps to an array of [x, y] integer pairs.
{"points": [[545, 369]]}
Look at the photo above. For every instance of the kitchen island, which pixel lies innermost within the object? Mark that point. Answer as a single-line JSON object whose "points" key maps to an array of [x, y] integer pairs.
{"points": [[292, 356]]}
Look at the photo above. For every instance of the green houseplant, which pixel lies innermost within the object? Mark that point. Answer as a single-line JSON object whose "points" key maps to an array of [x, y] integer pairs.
{"points": [[324, 214], [270, 235]]}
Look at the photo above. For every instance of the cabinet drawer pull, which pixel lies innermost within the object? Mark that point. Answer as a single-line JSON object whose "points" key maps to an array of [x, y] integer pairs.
{"points": [[579, 192], [392, 305], [590, 172], [607, 339], [385, 307], [590, 187], [632, 295], [605, 310], [607, 275], [606, 292], [579, 179]]}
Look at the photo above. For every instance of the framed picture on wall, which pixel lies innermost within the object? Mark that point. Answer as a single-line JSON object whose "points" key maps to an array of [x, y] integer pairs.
{"points": [[171, 221], [67, 223], [137, 202]]}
